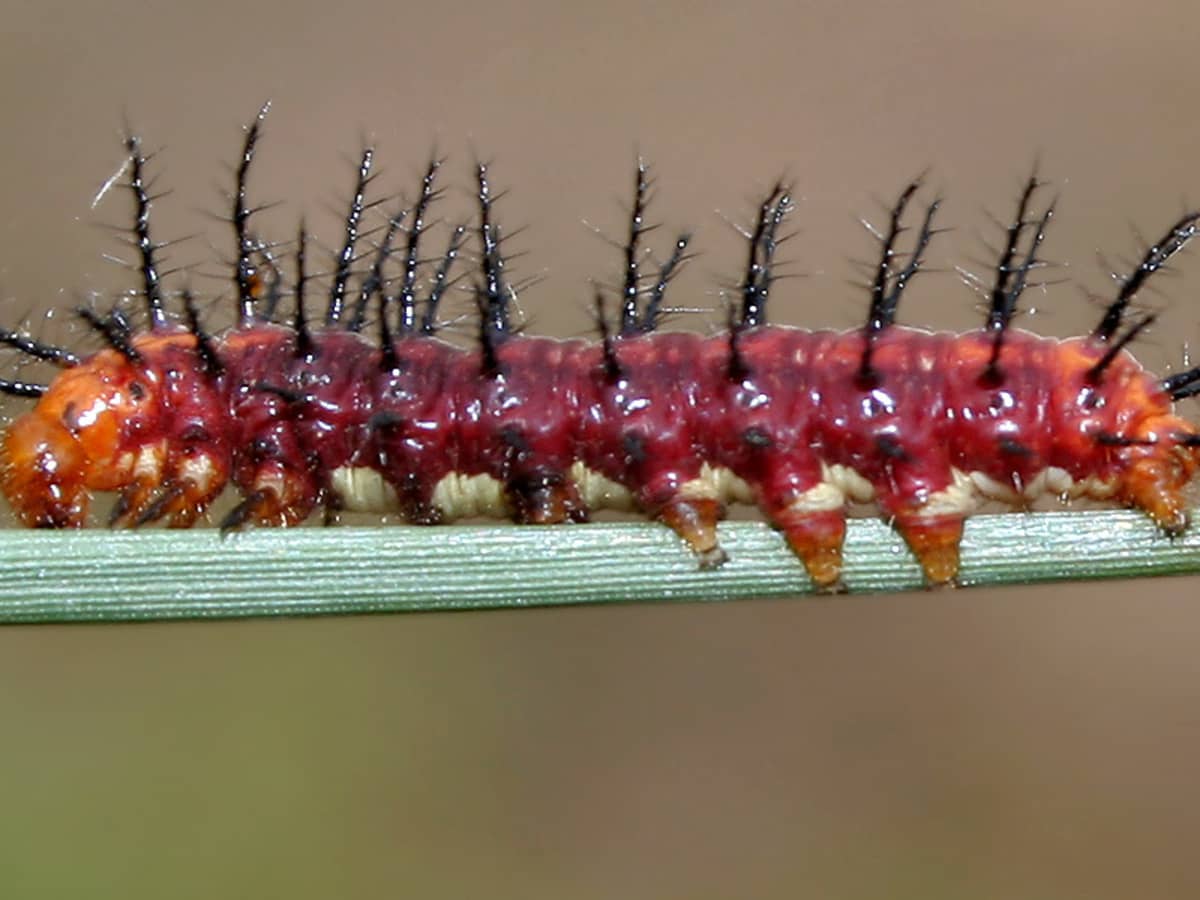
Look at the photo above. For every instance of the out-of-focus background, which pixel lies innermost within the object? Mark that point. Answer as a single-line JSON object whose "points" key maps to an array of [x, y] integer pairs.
{"points": [[1038, 743]]}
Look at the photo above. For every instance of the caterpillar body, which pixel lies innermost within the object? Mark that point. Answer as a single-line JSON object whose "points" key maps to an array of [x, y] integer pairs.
{"points": [[301, 415]]}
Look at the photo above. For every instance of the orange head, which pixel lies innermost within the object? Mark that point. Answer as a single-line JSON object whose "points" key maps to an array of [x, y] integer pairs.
{"points": [[83, 435]]}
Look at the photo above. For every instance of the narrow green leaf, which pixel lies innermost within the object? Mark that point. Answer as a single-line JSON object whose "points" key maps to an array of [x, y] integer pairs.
{"points": [[99, 575]]}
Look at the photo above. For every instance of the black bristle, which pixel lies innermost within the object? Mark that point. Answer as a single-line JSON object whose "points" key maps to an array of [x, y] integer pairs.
{"points": [[1182, 384], [388, 361], [412, 261], [494, 292], [245, 275], [151, 287], [374, 282], [210, 363], [666, 273], [889, 283], [115, 330], [1096, 372], [738, 370], [1107, 439], [30, 347], [22, 388], [345, 257], [631, 283], [442, 280], [1154, 259], [305, 349], [1013, 277], [612, 365], [756, 282], [638, 317], [489, 336]]}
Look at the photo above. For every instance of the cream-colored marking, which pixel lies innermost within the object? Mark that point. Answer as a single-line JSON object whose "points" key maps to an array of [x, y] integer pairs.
{"points": [[960, 498], [149, 463], [716, 483], [272, 482], [124, 462], [463, 496], [1053, 481], [363, 490], [200, 471], [460, 496], [1098, 488], [996, 490], [599, 492], [822, 498], [848, 482]]}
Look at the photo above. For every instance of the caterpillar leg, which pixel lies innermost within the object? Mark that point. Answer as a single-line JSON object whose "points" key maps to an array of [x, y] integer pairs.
{"points": [[179, 489], [816, 537], [276, 496], [546, 498], [934, 540], [695, 520], [928, 502]]}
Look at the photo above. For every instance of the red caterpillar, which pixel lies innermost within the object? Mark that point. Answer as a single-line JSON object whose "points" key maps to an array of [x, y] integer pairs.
{"points": [[300, 416]]}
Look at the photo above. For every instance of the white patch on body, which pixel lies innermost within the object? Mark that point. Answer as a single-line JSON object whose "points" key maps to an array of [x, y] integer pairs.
{"points": [[459, 496], [198, 470], [466, 496], [364, 490], [599, 492], [716, 483]]}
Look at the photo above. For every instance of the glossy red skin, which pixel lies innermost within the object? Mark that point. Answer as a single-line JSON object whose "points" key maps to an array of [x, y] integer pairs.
{"points": [[282, 423]]}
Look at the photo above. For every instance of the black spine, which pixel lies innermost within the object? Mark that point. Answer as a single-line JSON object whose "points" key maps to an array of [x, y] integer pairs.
{"points": [[374, 282], [612, 365], [666, 274], [763, 240], [1012, 277], [890, 282], [147, 249], [631, 283], [1154, 259], [1096, 372], [442, 279], [305, 349], [244, 274], [30, 347], [210, 362], [494, 293], [21, 388], [114, 328], [345, 257], [412, 259]]}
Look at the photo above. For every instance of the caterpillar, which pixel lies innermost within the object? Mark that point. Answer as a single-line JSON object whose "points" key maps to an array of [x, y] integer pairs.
{"points": [[303, 413]]}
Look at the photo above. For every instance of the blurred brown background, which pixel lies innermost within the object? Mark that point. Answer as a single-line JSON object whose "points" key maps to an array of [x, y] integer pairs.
{"points": [[1032, 743]]}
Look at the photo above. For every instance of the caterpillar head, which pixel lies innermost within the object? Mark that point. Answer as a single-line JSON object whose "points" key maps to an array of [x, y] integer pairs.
{"points": [[81, 436]]}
